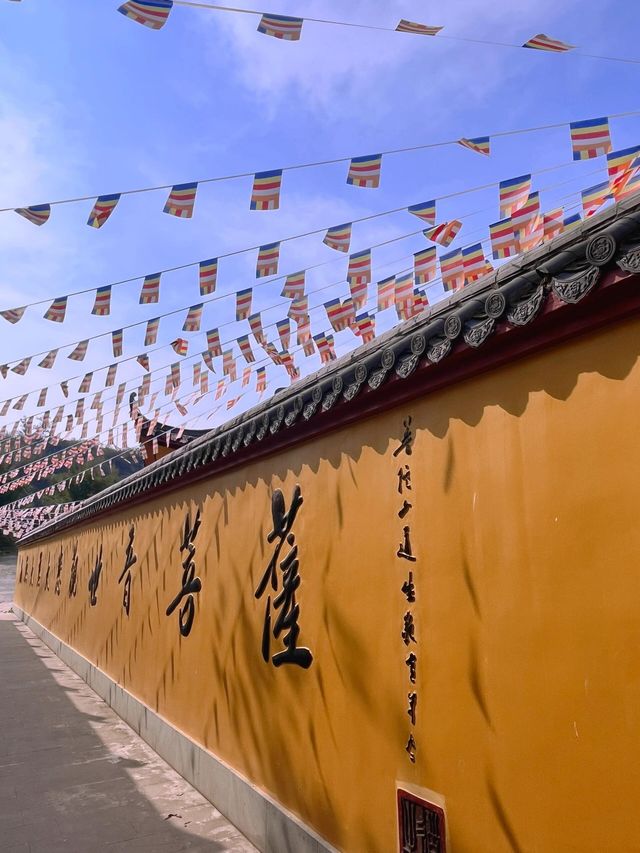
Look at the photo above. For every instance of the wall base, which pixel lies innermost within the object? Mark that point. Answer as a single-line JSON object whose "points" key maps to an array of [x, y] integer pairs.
{"points": [[265, 823]]}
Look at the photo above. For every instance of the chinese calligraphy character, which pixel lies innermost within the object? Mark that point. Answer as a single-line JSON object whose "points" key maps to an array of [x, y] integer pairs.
{"points": [[190, 583], [411, 748], [413, 701], [94, 579], [407, 439], [56, 588], [129, 560], [409, 589], [409, 630], [406, 507], [404, 479], [73, 579], [411, 662], [39, 569], [285, 601], [404, 550], [46, 577]]}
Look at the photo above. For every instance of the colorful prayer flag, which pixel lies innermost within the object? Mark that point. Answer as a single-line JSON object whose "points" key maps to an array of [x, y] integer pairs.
{"points": [[229, 364], [245, 348], [49, 359], [544, 42], [341, 314], [180, 345], [386, 293], [572, 221], [13, 315], [619, 162], [594, 197], [284, 332], [79, 352], [38, 214], [42, 399], [425, 211], [523, 219], [102, 304], [631, 184], [553, 223], [243, 303], [504, 242], [338, 237], [57, 310], [175, 374], [150, 289], [102, 209], [111, 376], [213, 342], [181, 200], [143, 361], [403, 295], [359, 270], [265, 194], [590, 138], [445, 233], [19, 404], [246, 376], [513, 194], [474, 263], [294, 286], [479, 144], [268, 257], [193, 319], [452, 270], [424, 265], [417, 29], [299, 308], [365, 171], [281, 27], [220, 389], [151, 333], [365, 327], [85, 385], [208, 276], [255, 323], [204, 383], [261, 379], [22, 366], [149, 13]]}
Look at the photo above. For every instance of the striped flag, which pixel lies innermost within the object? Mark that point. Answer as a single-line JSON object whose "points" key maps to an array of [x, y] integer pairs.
{"points": [[85, 385], [590, 138], [619, 162], [245, 348], [553, 223], [594, 197], [359, 270], [204, 383], [325, 347], [143, 361], [452, 270], [513, 194], [572, 221], [175, 374], [193, 319], [151, 334], [49, 359], [299, 309], [255, 323], [243, 303], [150, 13], [111, 376], [181, 201], [265, 194], [180, 346], [543, 42], [631, 184], [504, 242], [19, 404], [294, 286], [208, 360], [524, 218], [197, 370], [479, 144], [246, 376], [403, 295], [208, 276], [425, 265], [213, 342], [445, 233], [341, 314], [42, 399], [474, 263], [338, 237], [425, 211], [102, 209], [261, 379], [417, 29], [534, 236], [13, 315], [38, 214], [57, 310], [79, 352], [150, 289], [281, 27], [359, 294], [386, 293], [102, 304], [365, 327], [303, 331], [284, 332], [229, 365], [221, 388], [22, 366], [365, 171], [268, 257]]}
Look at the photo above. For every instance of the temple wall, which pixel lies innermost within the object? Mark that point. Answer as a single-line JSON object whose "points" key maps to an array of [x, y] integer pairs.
{"points": [[525, 487]]}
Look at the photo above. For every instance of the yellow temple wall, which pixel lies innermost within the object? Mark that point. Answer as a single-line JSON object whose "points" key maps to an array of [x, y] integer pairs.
{"points": [[524, 526]]}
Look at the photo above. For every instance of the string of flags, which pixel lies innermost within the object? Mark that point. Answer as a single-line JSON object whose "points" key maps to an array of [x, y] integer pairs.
{"points": [[589, 138]]}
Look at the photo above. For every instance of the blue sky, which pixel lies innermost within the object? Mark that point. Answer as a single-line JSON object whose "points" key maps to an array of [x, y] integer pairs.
{"points": [[92, 103]]}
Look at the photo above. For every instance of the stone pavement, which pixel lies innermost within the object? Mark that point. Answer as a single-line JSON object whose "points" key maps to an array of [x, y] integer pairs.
{"points": [[75, 778]]}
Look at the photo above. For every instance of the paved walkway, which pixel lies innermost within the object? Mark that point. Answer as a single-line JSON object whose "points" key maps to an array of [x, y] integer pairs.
{"points": [[75, 778]]}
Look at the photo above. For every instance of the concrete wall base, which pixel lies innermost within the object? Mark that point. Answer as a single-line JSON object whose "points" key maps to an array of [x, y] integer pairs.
{"points": [[266, 824]]}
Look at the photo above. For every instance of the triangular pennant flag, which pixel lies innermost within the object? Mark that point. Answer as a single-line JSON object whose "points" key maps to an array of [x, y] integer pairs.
{"points": [[281, 27], [57, 310], [543, 42], [102, 209], [150, 289], [38, 214], [243, 303], [116, 343], [339, 237], [268, 257], [208, 360], [13, 315], [102, 304], [79, 352], [479, 144], [265, 194], [149, 13], [193, 318], [417, 29], [208, 276], [143, 361], [181, 200], [365, 171], [64, 387]]}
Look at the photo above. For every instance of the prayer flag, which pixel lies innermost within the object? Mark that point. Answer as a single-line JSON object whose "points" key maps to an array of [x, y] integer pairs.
{"points": [[22, 366], [417, 29], [284, 332], [543, 42], [299, 309], [57, 310], [102, 209], [175, 374], [213, 342], [181, 200], [365, 171], [479, 144], [572, 221], [359, 270], [38, 214], [474, 263], [85, 385], [79, 352], [425, 211], [49, 359], [386, 293], [193, 318], [590, 138], [243, 303], [111, 376], [245, 348], [525, 216], [553, 223], [151, 334], [42, 398], [281, 27], [594, 197], [424, 265], [265, 194], [255, 322], [403, 295], [246, 376], [149, 13], [150, 289], [452, 270], [504, 243], [229, 364], [13, 315], [208, 276], [338, 237], [445, 233], [365, 327], [102, 304], [116, 343], [294, 286], [631, 184], [180, 346], [513, 194], [261, 379], [143, 361], [268, 257], [619, 162]]}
